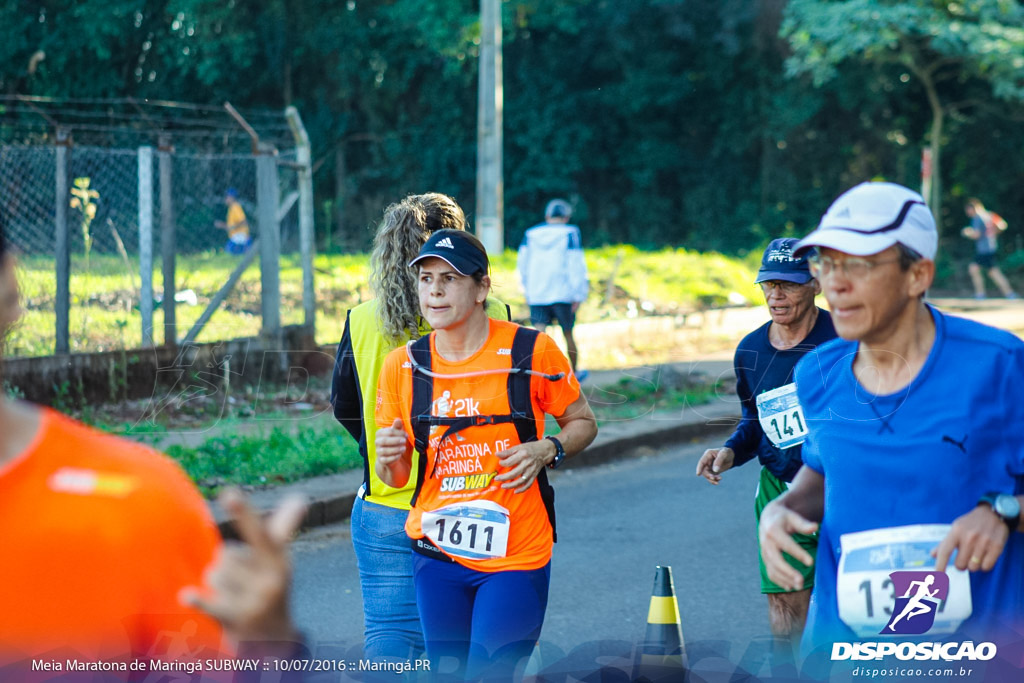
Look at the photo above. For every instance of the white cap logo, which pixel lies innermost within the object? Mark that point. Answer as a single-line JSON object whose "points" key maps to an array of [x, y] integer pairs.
{"points": [[872, 217]]}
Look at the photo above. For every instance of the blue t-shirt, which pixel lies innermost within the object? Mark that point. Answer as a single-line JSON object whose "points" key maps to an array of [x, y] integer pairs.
{"points": [[923, 455], [985, 242], [761, 367]]}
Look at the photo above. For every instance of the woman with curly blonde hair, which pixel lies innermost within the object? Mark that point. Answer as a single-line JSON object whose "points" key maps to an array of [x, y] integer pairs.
{"points": [[372, 330], [404, 229]]}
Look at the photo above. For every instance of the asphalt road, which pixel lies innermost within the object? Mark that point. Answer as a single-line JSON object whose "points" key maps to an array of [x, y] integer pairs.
{"points": [[616, 523]]}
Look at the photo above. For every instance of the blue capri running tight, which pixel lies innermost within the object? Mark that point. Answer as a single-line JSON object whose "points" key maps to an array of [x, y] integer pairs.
{"points": [[487, 622]]}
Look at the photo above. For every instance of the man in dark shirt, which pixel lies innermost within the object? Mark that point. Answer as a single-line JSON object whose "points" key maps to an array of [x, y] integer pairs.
{"points": [[773, 426]]}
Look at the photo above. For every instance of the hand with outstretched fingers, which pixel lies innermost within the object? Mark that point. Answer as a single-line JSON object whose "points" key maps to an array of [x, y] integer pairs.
{"points": [[246, 586], [778, 524]]}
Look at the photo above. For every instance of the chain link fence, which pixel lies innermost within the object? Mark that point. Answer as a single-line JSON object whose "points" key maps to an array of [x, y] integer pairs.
{"points": [[119, 230]]}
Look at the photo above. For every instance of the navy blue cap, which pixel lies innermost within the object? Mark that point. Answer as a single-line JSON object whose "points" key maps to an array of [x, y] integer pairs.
{"points": [[457, 248], [779, 263]]}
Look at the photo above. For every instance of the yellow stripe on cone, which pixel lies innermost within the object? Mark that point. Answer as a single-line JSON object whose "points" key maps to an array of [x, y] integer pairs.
{"points": [[662, 655], [664, 610]]}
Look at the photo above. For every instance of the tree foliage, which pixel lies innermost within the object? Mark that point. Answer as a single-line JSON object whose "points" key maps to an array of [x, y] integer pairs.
{"points": [[708, 124], [956, 51]]}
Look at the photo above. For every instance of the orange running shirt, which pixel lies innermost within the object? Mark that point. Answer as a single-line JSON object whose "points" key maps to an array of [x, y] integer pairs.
{"points": [[98, 535], [238, 227], [460, 472]]}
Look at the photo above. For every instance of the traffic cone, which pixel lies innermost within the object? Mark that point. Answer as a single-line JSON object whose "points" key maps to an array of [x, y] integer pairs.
{"points": [[662, 655]]}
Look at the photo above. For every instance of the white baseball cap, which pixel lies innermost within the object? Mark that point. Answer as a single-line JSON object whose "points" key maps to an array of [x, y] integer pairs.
{"points": [[558, 208], [872, 217]]}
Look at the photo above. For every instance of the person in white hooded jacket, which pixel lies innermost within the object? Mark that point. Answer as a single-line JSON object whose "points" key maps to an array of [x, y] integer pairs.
{"points": [[554, 274]]}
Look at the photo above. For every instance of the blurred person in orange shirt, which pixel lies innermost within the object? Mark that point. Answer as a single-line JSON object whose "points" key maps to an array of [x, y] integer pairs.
{"points": [[237, 225], [111, 554]]}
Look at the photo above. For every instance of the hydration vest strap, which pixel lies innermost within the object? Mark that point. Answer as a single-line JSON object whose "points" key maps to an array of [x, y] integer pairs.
{"points": [[521, 404], [520, 409], [457, 424], [422, 397]]}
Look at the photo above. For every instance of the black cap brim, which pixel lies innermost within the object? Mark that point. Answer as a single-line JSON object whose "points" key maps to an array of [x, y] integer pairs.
{"points": [[461, 266]]}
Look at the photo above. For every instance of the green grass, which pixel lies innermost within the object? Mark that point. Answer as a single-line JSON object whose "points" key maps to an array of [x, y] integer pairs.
{"points": [[258, 460], [287, 454], [105, 316], [631, 398], [105, 308], [246, 448], [242, 455], [671, 280], [105, 304]]}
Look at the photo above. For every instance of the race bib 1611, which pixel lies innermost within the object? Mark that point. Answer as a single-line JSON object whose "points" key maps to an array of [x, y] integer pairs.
{"points": [[477, 530]]}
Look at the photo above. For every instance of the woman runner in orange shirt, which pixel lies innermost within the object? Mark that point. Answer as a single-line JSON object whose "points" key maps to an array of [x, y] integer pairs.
{"points": [[481, 522]]}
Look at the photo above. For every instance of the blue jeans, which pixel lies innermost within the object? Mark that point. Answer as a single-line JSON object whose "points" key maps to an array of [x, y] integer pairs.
{"points": [[487, 622], [391, 622]]}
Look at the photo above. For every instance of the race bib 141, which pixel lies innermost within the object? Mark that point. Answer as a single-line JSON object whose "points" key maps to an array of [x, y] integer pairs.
{"points": [[781, 417]]}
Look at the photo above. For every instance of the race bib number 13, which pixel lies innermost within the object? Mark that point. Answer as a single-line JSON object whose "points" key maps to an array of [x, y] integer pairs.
{"points": [[477, 530], [888, 586], [781, 417]]}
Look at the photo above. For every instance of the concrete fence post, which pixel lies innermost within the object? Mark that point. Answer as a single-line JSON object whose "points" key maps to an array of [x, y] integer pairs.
{"points": [[62, 243], [270, 240], [307, 229], [146, 243], [168, 241]]}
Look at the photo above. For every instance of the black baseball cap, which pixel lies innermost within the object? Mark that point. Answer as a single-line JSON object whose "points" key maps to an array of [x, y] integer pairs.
{"points": [[779, 263], [457, 248]]}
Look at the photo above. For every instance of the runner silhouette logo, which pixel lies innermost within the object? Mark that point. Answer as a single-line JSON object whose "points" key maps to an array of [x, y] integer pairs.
{"points": [[919, 596]]}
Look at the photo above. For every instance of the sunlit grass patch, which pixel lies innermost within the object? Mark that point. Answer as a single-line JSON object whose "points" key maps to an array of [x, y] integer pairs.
{"points": [[105, 308]]}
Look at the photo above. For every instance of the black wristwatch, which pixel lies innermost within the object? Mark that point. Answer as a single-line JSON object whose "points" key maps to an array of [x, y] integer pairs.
{"points": [[1004, 505], [559, 453]]}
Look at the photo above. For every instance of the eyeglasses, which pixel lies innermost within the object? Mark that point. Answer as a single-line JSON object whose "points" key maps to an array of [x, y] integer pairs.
{"points": [[786, 287], [852, 267]]}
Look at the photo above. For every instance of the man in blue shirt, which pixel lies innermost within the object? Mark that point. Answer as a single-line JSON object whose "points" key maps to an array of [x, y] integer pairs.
{"points": [[773, 426], [984, 230], [914, 460]]}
